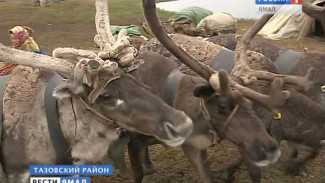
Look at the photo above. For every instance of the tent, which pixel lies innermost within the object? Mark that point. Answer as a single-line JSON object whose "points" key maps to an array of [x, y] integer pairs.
{"points": [[196, 21], [191, 14], [132, 30], [218, 23], [282, 26]]}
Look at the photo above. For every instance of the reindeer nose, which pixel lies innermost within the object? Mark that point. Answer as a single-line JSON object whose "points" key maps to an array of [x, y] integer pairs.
{"points": [[171, 131], [323, 89], [181, 130]]}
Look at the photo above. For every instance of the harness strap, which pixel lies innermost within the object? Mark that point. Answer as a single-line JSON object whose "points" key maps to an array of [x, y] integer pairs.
{"points": [[287, 60], [224, 60], [216, 137], [232, 114], [171, 85], [208, 118], [138, 82], [205, 111], [89, 108], [276, 129], [3, 84], [60, 144]]}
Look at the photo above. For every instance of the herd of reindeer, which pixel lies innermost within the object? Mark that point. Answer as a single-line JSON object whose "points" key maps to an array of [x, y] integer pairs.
{"points": [[78, 105]]}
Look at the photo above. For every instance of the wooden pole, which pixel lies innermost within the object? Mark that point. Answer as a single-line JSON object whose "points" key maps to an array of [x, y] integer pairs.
{"points": [[305, 28]]}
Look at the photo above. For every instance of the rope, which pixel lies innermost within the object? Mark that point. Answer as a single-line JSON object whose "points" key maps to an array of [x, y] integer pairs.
{"points": [[207, 116], [88, 108], [136, 81]]}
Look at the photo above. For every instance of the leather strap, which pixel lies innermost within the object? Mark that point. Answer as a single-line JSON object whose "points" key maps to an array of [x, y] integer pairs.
{"points": [[224, 60], [171, 86], [3, 84], [276, 130], [287, 60], [60, 144]]}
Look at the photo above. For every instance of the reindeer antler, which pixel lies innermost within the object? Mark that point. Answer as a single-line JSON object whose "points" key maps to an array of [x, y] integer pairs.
{"points": [[313, 10], [242, 69], [30, 59], [277, 96], [120, 47]]}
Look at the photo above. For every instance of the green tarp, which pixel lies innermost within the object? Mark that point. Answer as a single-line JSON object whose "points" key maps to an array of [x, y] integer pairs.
{"points": [[194, 14], [132, 30]]}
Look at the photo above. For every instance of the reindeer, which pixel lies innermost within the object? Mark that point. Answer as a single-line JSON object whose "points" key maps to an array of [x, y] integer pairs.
{"points": [[308, 133], [288, 62], [94, 101]]}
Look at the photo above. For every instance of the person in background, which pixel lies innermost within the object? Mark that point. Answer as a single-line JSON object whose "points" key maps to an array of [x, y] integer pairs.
{"points": [[21, 38]]}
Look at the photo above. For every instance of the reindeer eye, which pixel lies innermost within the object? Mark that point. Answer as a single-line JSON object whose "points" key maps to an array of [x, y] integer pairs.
{"points": [[322, 88], [106, 96], [223, 105], [107, 99]]}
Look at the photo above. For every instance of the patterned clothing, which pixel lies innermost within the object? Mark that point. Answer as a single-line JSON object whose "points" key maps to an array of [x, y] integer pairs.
{"points": [[27, 43]]}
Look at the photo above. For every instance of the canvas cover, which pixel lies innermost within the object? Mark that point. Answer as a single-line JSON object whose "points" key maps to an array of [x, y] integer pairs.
{"points": [[283, 26], [218, 23], [132, 30], [191, 14]]}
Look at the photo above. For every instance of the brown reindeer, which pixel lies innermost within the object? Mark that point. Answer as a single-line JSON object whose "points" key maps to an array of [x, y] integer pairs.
{"points": [[288, 62]]}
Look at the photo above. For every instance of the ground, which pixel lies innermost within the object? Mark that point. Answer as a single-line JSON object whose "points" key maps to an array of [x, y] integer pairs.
{"points": [[71, 24]]}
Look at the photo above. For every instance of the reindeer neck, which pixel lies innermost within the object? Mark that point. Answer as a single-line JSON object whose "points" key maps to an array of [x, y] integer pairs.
{"points": [[305, 107], [185, 99]]}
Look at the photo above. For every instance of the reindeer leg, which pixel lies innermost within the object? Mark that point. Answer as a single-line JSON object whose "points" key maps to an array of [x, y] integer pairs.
{"points": [[2, 171], [294, 153], [116, 154], [296, 166], [148, 167], [312, 155], [136, 151], [205, 155], [255, 172], [232, 168], [230, 171], [21, 177], [195, 157]]}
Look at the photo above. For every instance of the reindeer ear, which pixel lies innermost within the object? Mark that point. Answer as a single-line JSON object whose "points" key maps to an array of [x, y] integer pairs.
{"points": [[203, 90], [68, 90]]}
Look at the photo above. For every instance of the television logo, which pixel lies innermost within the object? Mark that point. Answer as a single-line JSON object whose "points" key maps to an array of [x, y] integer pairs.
{"points": [[278, 6]]}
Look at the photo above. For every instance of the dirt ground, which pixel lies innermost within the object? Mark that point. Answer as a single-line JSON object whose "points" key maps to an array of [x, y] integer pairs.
{"points": [[61, 30]]}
